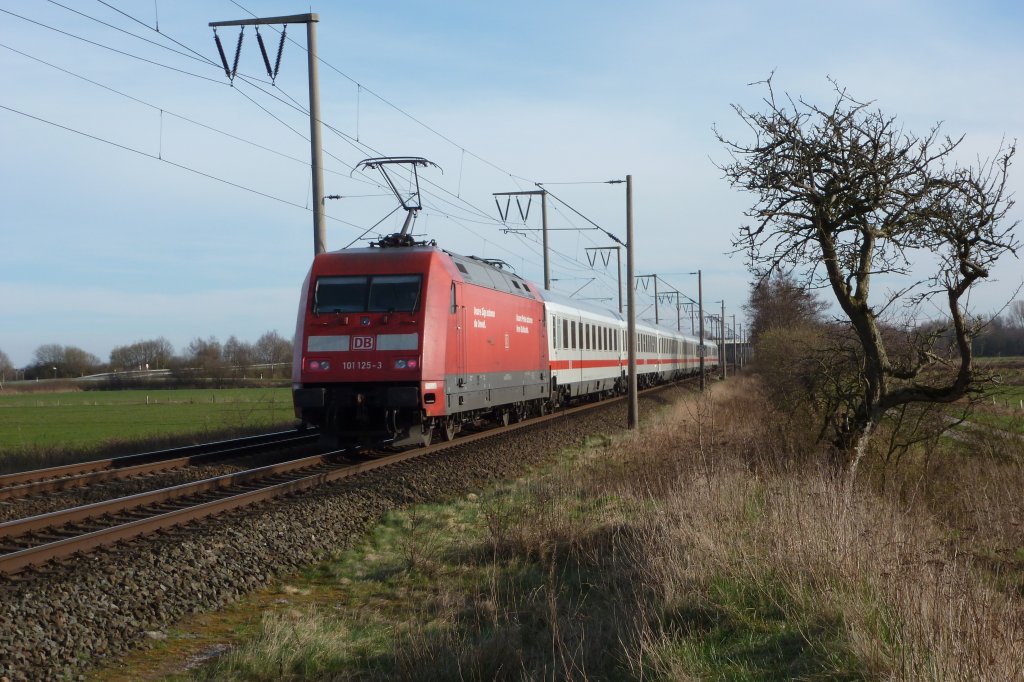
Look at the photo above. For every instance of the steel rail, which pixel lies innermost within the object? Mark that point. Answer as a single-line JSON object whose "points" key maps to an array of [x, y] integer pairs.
{"points": [[123, 469], [57, 519], [129, 460], [17, 561]]}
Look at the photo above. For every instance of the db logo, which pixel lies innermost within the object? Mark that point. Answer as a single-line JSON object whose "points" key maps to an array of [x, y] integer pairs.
{"points": [[362, 343]]}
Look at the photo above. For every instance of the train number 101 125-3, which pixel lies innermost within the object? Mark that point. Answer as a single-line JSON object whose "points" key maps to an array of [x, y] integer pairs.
{"points": [[365, 364]]}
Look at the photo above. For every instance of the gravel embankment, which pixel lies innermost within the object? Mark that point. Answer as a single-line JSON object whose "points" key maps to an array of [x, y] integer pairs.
{"points": [[53, 624]]}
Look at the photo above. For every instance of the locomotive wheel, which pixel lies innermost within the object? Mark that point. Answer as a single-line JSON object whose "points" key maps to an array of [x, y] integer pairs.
{"points": [[428, 432], [506, 417], [450, 429]]}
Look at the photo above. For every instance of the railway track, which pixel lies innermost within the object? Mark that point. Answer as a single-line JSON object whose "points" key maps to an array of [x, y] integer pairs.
{"points": [[34, 541], [66, 477]]}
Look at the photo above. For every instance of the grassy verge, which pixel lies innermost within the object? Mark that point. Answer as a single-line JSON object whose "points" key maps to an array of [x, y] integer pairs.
{"points": [[703, 547], [43, 429]]}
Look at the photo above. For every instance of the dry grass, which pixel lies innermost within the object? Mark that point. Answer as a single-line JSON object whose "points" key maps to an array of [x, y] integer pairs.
{"points": [[708, 545]]}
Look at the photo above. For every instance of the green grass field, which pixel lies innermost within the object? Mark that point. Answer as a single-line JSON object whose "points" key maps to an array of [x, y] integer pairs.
{"points": [[38, 422]]}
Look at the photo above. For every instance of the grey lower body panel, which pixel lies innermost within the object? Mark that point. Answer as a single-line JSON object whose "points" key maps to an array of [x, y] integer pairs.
{"points": [[464, 393]]}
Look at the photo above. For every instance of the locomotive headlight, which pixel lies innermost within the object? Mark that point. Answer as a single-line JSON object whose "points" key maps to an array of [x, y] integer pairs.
{"points": [[400, 364], [317, 365]]}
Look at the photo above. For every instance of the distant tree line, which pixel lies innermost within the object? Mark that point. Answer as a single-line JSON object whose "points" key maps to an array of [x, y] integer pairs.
{"points": [[203, 359], [1003, 334]]}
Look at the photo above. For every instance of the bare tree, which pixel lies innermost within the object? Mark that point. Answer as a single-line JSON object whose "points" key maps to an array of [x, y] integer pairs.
{"points": [[150, 354], [63, 361], [273, 349], [780, 302], [238, 355], [78, 362], [6, 368], [844, 194], [1016, 314], [205, 353], [48, 355]]}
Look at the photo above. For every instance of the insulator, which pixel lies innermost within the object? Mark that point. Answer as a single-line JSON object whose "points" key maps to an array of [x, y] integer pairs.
{"points": [[223, 59], [238, 52], [280, 51], [263, 51]]}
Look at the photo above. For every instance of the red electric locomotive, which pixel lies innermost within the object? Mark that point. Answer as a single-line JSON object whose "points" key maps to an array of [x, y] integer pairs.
{"points": [[395, 343]]}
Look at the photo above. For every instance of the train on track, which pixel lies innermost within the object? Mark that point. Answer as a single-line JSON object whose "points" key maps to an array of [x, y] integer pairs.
{"points": [[401, 342]]}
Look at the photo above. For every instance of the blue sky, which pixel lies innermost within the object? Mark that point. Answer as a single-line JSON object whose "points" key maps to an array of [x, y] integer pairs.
{"points": [[100, 246]]}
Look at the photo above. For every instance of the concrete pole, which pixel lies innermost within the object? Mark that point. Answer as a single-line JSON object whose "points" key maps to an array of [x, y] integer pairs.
{"points": [[633, 414], [735, 358], [316, 148], [721, 345], [544, 228], [743, 349], [700, 316]]}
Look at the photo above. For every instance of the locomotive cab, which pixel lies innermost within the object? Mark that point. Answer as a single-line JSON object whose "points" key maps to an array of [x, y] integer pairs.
{"points": [[360, 360]]}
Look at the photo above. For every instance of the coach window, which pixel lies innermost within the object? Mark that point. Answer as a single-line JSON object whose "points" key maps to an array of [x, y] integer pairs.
{"points": [[565, 333], [572, 329]]}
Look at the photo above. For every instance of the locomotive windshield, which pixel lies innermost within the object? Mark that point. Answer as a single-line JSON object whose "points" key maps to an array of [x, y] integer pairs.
{"points": [[374, 294]]}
